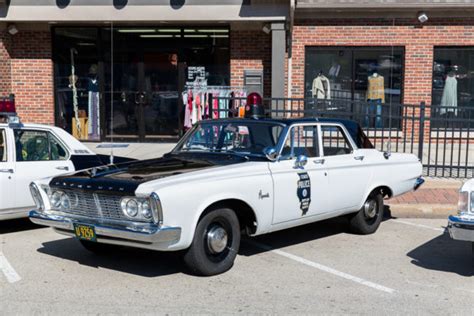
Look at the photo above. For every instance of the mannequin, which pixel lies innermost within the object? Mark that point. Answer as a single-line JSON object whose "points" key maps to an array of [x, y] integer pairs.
{"points": [[321, 87], [375, 98], [93, 104], [449, 100]]}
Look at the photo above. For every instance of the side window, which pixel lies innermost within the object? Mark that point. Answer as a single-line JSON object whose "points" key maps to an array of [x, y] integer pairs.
{"points": [[334, 141], [37, 146], [58, 152], [301, 140], [3, 146]]}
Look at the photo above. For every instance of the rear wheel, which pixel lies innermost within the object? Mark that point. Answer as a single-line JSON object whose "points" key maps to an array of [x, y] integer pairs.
{"points": [[367, 220], [216, 243]]}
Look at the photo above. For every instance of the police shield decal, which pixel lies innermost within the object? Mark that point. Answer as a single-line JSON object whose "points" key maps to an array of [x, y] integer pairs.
{"points": [[304, 191]]}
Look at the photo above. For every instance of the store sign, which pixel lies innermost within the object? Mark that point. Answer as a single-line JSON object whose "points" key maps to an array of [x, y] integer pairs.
{"points": [[196, 73]]}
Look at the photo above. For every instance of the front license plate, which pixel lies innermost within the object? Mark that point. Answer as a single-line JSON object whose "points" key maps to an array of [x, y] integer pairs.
{"points": [[85, 232]]}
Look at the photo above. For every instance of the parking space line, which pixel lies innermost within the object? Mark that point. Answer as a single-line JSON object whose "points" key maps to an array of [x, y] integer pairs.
{"points": [[8, 270], [323, 268], [418, 225]]}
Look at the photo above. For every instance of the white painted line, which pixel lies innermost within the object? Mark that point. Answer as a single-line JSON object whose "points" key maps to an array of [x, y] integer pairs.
{"points": [[418, 225], [8, 270], [323, 268]]}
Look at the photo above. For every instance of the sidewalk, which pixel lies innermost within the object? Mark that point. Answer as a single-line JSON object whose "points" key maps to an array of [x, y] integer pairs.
{"points": [[437, 197]]}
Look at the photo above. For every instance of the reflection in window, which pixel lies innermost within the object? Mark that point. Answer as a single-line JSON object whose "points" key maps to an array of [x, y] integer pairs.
{"points": [[370, 76], [3, 146], [301, 140], [334, 141], [453, 87]]}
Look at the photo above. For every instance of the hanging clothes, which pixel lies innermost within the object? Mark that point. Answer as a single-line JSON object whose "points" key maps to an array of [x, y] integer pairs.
{"points": [[376, 88], [449, 100], [321, 88]]}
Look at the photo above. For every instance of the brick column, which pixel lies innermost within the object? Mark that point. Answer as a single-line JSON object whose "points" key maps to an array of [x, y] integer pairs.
{"points": [[5, 64], [32, 76]]}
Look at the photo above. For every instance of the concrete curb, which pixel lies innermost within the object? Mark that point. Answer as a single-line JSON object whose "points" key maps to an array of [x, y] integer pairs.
{"points": [[421, 210]]}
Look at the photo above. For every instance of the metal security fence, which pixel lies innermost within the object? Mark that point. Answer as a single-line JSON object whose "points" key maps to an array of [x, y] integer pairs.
{"points": [[442, 137]]}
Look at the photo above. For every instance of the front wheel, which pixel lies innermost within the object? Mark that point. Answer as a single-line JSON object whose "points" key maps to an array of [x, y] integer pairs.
{"points": [[368, 218], [216, 243]]}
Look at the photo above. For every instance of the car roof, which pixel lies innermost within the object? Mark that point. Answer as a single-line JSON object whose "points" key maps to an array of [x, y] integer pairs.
{"points": [[291, 121]]}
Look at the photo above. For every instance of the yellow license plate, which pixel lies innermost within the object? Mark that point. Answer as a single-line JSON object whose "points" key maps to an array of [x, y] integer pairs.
{"points": [[85, 232]]}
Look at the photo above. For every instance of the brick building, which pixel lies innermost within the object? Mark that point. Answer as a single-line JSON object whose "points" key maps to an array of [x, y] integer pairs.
{"points": [[133, 59]]}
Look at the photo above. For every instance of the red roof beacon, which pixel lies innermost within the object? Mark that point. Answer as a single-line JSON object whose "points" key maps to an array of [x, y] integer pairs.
{"points": [[254, 107]]}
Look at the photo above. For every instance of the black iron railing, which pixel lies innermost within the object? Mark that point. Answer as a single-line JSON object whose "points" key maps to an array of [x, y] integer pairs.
{"points": [[441, 137]]}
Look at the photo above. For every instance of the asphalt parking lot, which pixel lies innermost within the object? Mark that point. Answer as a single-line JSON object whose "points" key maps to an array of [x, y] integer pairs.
{"points": [[410, 266]]}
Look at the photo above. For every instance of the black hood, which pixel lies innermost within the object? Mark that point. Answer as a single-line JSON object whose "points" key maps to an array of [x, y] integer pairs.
{"points": [[126, 177]]}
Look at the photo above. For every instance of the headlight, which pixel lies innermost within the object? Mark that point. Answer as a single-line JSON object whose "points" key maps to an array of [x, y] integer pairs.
{"points": [[146, 210], [55, 199], [472, 202], [131, 208], [140, 209], [36, 194], [65, 203], [463, 202]]}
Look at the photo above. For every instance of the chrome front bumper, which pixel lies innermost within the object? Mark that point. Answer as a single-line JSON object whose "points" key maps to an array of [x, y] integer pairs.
{"points": [[461, 229], [140, 235]]}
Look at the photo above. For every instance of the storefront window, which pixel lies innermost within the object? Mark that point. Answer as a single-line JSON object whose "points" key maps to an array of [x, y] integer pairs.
{"points": [[128, 80], [453, 87], [372, 77]]}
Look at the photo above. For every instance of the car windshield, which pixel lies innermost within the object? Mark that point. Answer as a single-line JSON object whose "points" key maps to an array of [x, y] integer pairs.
{"points": [[246, 138]]}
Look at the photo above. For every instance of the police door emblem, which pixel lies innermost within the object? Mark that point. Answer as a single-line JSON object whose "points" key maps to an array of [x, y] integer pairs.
{"points": [[304, 191]]}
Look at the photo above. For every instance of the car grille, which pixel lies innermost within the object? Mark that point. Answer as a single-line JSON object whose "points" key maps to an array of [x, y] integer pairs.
{"points": [[95, 205]]}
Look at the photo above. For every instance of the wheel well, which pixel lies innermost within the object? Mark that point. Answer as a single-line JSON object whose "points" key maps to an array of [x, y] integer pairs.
{"points": [[245, 214], [385, 190]]}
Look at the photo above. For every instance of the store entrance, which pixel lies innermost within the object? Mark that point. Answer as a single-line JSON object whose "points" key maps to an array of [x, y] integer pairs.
{"points": [[125, 83], [145, 96]]}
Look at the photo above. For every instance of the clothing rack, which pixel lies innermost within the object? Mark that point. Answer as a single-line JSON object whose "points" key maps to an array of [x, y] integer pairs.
{"points": [[204, 101]]}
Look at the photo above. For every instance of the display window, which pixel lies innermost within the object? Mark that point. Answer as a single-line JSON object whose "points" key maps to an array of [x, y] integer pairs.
{"points": [[453, 87], [126, 82], [371, 76]]}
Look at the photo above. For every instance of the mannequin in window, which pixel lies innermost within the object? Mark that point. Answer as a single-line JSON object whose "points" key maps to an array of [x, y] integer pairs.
{"points": [[321, 87], [375, 98], [93, 104], [449, 100]]}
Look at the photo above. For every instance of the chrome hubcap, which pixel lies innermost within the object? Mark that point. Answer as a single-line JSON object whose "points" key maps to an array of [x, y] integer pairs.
{"points": [[217, 239], [370, 208]]}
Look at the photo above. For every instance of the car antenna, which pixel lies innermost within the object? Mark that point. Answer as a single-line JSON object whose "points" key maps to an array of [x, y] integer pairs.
{"points": [[388, 153], [112, 93]]}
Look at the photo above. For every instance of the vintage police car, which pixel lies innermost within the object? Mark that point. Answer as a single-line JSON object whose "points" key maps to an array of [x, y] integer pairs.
{"points": [[227, 177], [31, 151], [461, 227]]}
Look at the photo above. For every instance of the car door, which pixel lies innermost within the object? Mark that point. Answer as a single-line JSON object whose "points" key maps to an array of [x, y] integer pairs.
{"points": [[7, 192], [39, 154], [347, 171], [299, 191]]}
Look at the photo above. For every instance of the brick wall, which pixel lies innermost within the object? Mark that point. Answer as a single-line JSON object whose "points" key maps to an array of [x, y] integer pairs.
{"points": [[5, 71], [250, 49], [418, 43], [32, 76]]}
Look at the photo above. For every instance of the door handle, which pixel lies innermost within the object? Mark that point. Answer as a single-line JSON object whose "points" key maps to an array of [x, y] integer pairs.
{"points": [[359, 158], [63, 168], [6, 170], [319, 161]]}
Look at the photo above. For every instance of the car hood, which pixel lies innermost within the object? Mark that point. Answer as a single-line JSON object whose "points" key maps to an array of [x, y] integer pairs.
{"points": [[127, 177]]}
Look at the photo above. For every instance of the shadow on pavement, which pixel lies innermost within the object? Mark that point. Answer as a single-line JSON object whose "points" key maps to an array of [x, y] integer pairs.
{"points": [[17, 225], [141, 262], [149, 263], [444, 254]]}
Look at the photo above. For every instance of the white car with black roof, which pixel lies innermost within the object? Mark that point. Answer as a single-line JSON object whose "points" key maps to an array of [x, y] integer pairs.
{"points": [[225, 178]]}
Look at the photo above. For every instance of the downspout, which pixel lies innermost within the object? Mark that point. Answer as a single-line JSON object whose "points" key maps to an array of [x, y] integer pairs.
{"points": [[290, 48]]}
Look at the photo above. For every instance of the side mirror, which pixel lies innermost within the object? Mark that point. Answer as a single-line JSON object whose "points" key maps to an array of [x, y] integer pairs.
{"points": [[270, 153], [301, 161]]}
